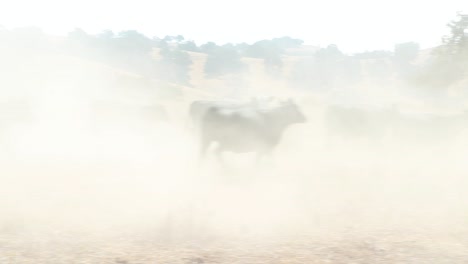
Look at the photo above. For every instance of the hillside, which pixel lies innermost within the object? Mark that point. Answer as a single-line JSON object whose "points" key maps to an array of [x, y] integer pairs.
{"points": [[92, 80]]}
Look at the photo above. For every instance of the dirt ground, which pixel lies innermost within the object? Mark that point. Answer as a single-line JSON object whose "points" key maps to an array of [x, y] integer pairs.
{"points": [[119, 196], [395, 246]]}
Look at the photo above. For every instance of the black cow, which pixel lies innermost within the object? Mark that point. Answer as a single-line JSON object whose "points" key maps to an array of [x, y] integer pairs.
{"points": [[348, 124], [199, 108], [428, 129], [247, 128]]}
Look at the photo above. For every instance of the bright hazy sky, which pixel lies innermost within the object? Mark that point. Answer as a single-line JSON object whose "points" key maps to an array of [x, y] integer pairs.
{"points": [[354, 26]]}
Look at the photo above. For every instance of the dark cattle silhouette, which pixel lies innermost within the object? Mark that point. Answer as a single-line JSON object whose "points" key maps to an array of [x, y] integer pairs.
{"points": [[247, 128], [428, 129], [359, 124], [373, 126], [199, 108]]}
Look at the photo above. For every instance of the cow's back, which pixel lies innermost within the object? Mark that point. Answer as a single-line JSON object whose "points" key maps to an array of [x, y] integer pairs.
{"points": [[251, 127], [240, 129]]}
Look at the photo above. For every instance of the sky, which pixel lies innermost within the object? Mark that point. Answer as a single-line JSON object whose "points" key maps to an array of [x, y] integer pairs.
{"points": [[354, 26]]}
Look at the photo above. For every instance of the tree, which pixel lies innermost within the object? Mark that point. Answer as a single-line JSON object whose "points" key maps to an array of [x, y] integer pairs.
{"points": [[450, 60], [288, 42], [263, 49], [160, 43], [189, 46], [132, 41], [328, 68], [106, 35], [271, 51], [79, 42], [456, 44], [177, 39], [176, 65], [222, 60], [209, 47], [168, 38]]}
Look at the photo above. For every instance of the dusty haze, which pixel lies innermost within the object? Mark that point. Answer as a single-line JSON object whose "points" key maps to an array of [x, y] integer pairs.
{"points": [[87, 176]]}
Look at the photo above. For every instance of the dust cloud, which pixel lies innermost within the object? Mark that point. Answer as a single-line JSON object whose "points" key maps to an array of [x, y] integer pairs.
{"points": [[92, 172]]}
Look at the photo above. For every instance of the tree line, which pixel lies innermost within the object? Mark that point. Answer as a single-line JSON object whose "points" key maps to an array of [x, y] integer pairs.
{"points": [[324, 68]]}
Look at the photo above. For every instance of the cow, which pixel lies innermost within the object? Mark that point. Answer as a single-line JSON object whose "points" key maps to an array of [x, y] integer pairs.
{"points": [[425, 129], [358, 124], [247, 128], [389, 126], [199, 108]]}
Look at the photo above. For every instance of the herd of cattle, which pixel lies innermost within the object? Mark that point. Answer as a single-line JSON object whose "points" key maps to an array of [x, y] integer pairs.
{"points": [[258, 125]]}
